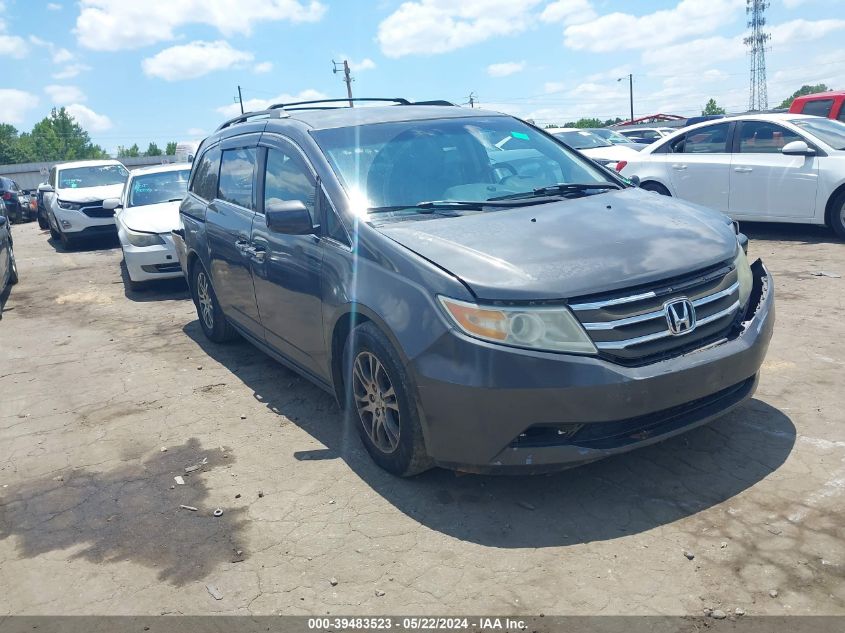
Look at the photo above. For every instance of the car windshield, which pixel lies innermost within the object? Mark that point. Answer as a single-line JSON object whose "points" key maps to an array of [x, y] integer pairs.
{"points": [[395, 165], [167, 186], [613, 137], [99, 176], [826, 130], [582, 139]]}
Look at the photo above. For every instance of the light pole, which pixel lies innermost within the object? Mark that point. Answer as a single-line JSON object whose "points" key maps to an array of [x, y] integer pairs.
{"points": [[630, 92]]}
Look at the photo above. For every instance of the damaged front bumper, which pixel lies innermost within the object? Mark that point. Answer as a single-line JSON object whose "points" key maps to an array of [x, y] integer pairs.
{"points": [[491, 408]]}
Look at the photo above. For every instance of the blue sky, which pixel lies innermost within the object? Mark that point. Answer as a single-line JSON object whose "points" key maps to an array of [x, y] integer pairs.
{"points": [[135, 71]]}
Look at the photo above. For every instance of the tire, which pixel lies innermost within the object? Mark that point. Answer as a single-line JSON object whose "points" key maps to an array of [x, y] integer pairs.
{"points": [[212, 320], [380, 402], [54, 234], [837, 215], [67, 242], [656, 187], [42, 223], [13, 267]]}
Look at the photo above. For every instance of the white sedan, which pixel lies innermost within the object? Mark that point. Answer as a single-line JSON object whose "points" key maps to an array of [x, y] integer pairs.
{"points": [[594, 146], [757, 168], [145, 214]]}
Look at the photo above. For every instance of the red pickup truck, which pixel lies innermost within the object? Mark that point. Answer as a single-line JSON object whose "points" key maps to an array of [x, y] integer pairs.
{"points": [[829, 104]]}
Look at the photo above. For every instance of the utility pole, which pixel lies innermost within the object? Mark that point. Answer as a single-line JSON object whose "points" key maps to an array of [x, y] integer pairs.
{"points": [[346, 78], [758, 96], [472, 99], [240, 99], [630, 92]]}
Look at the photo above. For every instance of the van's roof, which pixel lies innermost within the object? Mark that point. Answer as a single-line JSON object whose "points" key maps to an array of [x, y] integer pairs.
{"points": [[350, 117], [160, 169], [830, 94]]}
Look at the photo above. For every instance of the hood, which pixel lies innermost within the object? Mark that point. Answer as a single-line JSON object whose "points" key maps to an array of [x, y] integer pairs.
{"points": [[90, 194], [574, 247], [614, 152], [151, 218]]}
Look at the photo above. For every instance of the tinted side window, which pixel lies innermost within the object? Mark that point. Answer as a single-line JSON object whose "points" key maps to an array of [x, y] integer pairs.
{"points": [[204, 183], [712, 139], [288, 178], [819, 107], [841, 116], [762, 137], [237, 176]]}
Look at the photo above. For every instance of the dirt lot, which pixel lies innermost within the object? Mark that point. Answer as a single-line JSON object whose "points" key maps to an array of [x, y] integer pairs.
{"points": [[96, 382]]}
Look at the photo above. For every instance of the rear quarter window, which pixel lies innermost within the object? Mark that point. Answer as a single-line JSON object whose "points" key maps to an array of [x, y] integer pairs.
{"points": [[818, 107], [204, 182]]}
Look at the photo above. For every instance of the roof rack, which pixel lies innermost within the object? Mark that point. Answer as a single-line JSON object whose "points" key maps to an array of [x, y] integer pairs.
{"points": [[278, 110]]}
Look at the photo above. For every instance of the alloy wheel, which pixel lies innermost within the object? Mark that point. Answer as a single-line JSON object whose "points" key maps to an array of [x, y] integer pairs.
{"points": [[204, 298], [376, 401]]}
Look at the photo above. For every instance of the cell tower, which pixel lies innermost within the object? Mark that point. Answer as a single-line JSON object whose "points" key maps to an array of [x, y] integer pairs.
{"points": [[758, 94]]}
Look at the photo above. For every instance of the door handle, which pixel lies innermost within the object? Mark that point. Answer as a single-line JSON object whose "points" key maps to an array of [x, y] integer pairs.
{"points": [[678, 167], [743, 170], [257, 253], [243, 247]]}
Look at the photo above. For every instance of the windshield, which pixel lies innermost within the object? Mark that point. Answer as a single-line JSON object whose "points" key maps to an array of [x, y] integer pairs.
{"points": [[826, 130], [99, 176], [165, 186], [582, 139], [463, 159], [613, 137]]}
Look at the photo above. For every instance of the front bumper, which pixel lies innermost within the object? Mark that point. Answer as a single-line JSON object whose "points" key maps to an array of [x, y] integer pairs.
{"points": [[147, 263], [489, 408], [77, 224]]}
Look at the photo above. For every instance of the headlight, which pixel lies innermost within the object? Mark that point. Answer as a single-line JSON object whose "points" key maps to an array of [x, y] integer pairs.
{"points": [[70, 206], [550, 329], [745, 277], [143, 239]]}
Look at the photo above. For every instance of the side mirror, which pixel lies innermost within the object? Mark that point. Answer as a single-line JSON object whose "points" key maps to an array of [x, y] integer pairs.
{"points": [[635, 180], [111, 204], [289, 217], [798, 148]]}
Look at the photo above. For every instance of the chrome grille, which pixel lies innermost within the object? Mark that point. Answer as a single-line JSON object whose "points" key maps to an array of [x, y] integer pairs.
{"points": [[632, 327]]}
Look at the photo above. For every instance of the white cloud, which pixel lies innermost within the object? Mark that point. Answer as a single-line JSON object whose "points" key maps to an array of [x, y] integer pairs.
{"points": [[262, 67], [54, 6], [189, 61], [64, 95], [803, 30], [364, 64], [438, 26], [111, 25], [619, 31], [254, 105], [10, 45], [505, 68], [71, 71], [87, 118], [553, 86], [694, 54], [15, 104], [62, 56], [568, 12]]}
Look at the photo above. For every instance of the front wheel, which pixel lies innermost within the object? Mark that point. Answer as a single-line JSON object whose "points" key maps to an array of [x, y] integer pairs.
{"points": [[42, 222], [13, 267], [379, 400], [837, 217], [212, 320]]}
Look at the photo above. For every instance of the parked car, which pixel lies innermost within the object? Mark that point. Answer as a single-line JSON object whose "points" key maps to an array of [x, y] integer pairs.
{"points": [[41, 210], [145, 213], [759, 168], [594, 146], [616, 138], [647, 135], [8, 267], [524, 314], [829, 104], [73, 199], [10, 192]]}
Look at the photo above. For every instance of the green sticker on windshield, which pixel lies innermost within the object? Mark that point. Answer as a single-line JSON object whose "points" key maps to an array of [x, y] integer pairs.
{"points": [[519, 135]]}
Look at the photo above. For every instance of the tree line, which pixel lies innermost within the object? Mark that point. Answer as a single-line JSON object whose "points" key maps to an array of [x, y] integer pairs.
{"points": [[59, 137]]}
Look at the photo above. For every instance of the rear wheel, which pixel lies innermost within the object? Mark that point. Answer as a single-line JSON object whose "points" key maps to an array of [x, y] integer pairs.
{"points": [[13, 267], [379, 400], [212, 320], [656, 187], [837, 215]]}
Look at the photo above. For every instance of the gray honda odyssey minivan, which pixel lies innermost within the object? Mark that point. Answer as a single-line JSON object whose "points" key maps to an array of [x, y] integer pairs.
{"points": [[476, 294]]}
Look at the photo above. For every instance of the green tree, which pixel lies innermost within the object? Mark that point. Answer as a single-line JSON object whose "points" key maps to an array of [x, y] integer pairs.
{"points": [[153, 150], [803, 90], [170, 150], [55, 137], [712, 108], [585, 122]]}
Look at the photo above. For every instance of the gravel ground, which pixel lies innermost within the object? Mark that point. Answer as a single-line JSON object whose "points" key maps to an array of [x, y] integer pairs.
{"points": [[106, 395]]}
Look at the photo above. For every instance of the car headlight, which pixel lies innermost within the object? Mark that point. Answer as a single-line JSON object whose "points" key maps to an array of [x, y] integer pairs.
{"points": [[552, 329], [744, 276], [143, 239], [70, 206]]}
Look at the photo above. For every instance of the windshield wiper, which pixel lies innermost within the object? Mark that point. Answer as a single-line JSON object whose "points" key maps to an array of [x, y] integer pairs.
{"points": [[560, 189], [429, 206], [176, 200]]}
